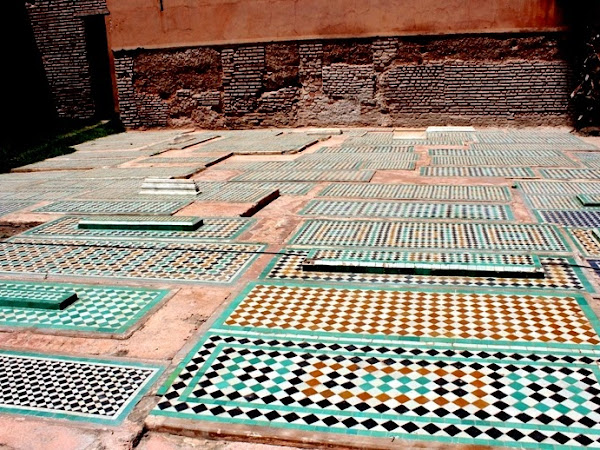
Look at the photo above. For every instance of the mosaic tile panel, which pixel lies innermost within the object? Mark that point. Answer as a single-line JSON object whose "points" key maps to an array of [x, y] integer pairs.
{"points": [[589, 200], [535, 161], [22, 297], [137, 172], [259, 142], [214, 228], [350, 148], [204, 160], [94, 390], [431, 235], [38, 195], [570, 217], [236, 193], [7, 207], [438, 316], [360, 157], [98, 309], [63, 163], [553, 202], [315, 175], [285, 188], [559, 274], [156, 223], [289, 165], [341, 208], [422, 263], [392, 164], [595, 264], [130, 140], [201, 262], [450, 137], [503, 172], [114, 207], [418, 192], [512, 139], [558, 187], [512, 153], [587, 241], [570, 173], [388, 390]]}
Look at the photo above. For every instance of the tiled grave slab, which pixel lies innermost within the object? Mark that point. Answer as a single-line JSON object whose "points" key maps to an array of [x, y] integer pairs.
{"points": [[423, 263], [353, 389], [592, 163], [587, 241], [418, 192], [392, 209], [87, 390], [26, 298], [290, 165], [138, 172], [504, 172], [349, 147], [168, 187], [285, 188], [359, 158], [431, 235], [64, 163], [570, 173], [413, 313], [158, 223], [588, 200], [259, 142], [205, 160], [237, 193], [450, 137], [559, 274], [569, 217], [39, 195], [7, 207], [558, 187], [214, 228], [595, 264], [98, 309], [306, 175], [534, 161], [553, 202], [114, 207], [512, 153], [521, 139], [129, 141], [391, 164], [201, 262]]}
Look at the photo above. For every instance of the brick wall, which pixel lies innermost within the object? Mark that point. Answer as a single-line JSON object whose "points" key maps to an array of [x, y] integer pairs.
{"points": [[391, 81], [59, 32]]}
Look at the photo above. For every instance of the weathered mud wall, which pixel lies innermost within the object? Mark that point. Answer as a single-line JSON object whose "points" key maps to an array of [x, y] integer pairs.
{"points": [[383, 81]]}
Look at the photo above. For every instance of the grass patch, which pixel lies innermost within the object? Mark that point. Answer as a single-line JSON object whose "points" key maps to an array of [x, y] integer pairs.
{"points": [[29, 149]]}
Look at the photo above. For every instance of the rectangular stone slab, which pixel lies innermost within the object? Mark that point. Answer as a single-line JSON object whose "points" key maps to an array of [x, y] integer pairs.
{"points": [[167, 223], [589, 200], [424, 263], [23, 298]]}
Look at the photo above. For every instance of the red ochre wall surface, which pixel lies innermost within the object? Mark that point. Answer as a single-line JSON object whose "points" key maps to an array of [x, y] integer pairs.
{"points": [[182, 23]]}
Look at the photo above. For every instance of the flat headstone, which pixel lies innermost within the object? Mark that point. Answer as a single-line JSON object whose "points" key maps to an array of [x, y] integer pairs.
{"points": [[165, 223], [23, 298]]}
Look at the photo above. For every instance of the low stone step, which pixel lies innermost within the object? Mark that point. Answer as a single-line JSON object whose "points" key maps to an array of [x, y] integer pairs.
{"points": [[157, 223], [36, 299], [589, 200], [424, 263]]}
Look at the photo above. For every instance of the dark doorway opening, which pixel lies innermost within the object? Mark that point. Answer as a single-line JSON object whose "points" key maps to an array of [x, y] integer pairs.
{"points": [[97, 51]]}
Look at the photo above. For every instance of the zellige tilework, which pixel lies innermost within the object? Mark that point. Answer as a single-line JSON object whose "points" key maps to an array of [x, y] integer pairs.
{"points": [[558, 187], [418, 192], [7, 207], [306, 175], [356, 208], [114, 207], [553, 202], [453, 171], [570, 173], [98, 309], [173, 262], [570, 217], [87, 390], [214, 228], [559, 274], [533, 161], [586, 240], [431, 235]]}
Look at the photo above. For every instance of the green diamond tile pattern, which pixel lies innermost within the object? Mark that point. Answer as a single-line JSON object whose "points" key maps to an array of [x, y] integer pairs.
{"points": [[461, 161], [78, 389], [259, 142], [130, 260], [98, 309], [306, 175], [214, 228], [553, 202], [7, 207], [65, 163], [503, 172], [418, 192], [392, 209], [559, 274], [114, 207], [566, 174], [349, 148], [431, 235], [558, 187]]}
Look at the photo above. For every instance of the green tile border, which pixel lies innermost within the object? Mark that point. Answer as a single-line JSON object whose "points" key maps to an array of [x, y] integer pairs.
{"points": [[133, 401]]}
